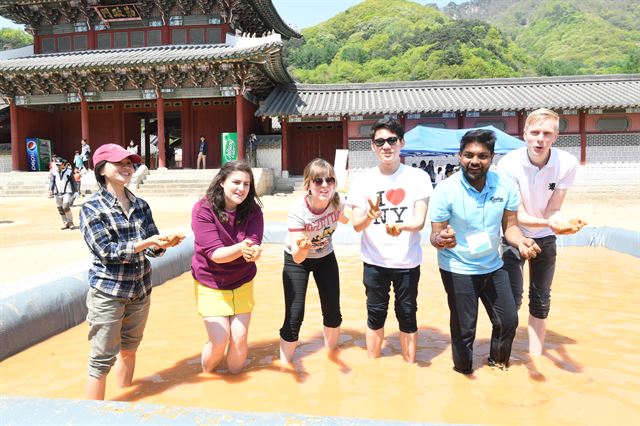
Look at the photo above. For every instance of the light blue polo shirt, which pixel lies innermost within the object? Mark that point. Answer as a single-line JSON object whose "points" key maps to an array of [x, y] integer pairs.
{"points": [[469, 212]]}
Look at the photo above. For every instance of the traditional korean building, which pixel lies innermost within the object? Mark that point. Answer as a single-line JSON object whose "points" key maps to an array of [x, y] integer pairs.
{"points": [[114, 71], [599, 115], [164, 72]]}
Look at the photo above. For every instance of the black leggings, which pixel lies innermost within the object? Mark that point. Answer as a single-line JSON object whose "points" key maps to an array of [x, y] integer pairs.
{"points": [[295, 278]]}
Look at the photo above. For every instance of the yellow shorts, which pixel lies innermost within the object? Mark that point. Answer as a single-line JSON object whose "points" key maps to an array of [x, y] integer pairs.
{"points": [[213, 302]]}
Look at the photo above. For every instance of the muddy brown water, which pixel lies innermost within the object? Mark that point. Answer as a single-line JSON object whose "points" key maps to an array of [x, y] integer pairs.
{"points": [[589, 373]]}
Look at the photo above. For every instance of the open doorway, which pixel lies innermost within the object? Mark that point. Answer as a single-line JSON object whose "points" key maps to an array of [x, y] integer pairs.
{"points": [[142, 129], [172, 137]]}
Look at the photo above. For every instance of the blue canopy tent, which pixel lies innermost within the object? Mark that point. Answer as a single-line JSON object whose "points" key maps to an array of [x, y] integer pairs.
{"points": [[428, 141]]}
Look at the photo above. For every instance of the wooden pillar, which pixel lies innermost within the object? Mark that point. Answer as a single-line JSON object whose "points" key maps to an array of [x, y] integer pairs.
{"points": [[121, 131], [161, 141], [37, 45], [284, 150], [240, 125], [583, 136], [91, 39], [403, 120], [345, 132], [226, 29], [147, 143], [521, 120], [460, 120], [188, 148], [84, 118], [16, 149], [166, 34]]}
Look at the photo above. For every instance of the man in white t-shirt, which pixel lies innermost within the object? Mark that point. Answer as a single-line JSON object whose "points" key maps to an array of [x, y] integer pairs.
{"points": [[543, 175], [389, 204]]}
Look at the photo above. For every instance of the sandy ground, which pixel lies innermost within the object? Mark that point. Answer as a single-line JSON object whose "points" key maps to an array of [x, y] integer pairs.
{"points": [[31, 242]]}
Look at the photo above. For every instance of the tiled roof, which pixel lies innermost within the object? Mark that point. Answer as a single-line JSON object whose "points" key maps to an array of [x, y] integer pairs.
{"points": [[610, 91], [257, 16], [144, 56], [17, 53], [271, 17]]}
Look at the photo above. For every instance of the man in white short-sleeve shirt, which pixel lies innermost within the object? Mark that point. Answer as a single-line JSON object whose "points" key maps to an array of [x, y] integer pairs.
{"points": [[389, 204], [543, 175]]}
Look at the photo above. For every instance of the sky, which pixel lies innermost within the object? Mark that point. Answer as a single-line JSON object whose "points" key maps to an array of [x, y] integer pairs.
{"points": [[307, 13], [299, 13]]}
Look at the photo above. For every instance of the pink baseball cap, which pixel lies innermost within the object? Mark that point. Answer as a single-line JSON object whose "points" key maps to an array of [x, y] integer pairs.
{"points": [[113, 153]]}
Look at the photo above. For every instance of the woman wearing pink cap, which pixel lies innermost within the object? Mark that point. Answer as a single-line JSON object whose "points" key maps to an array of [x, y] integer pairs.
{"points": [[119, 230]]}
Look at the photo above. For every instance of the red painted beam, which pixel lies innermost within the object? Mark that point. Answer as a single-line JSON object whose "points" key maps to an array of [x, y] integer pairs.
{"points": [[15, 138], [161, 140]]}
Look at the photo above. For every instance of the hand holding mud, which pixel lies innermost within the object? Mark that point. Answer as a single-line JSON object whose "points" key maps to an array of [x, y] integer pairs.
{"points": [[561, 226], [171, 240], [529, 249], [250, 252], [303, 243], [446, 238], [394, 230]]}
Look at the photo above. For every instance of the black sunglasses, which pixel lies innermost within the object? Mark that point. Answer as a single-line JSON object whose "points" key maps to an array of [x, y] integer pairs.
{"points": [[391, 140], [329, 180]]}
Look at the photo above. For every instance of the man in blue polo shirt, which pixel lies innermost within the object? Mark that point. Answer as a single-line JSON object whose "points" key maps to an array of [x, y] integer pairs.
{"points": [[467, 212]]}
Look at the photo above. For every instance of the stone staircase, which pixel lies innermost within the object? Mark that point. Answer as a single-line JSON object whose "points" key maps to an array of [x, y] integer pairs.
{"points": [[175, 183], [169, 183], [24, 184], [590, 178], [291, 184]]}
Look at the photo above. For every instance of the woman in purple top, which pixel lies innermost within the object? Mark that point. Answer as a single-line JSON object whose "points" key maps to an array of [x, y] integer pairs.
{"points": [[228, 226]]}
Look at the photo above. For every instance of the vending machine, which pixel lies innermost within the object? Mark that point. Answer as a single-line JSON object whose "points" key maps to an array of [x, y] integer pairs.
{"points": [[38, 154], [229, 145]]}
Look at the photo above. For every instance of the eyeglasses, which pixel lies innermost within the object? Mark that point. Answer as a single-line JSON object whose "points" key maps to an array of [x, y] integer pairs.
{"points": [[391, 140], [329, 180]]}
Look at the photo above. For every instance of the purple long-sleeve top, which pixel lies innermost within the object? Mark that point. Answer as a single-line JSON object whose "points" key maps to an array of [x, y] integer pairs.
{"points": [[211, 234]]}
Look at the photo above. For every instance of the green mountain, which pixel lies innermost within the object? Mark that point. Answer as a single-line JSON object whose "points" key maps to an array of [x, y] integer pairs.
{"points": [[568, 36], [386, 40], [13, 38]]}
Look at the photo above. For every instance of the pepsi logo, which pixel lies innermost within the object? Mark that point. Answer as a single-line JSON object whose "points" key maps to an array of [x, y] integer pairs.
{"points": [[31, 145]]}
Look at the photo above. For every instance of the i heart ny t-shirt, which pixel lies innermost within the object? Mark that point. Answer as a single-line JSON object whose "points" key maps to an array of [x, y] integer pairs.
{"points": [[398, 194]]}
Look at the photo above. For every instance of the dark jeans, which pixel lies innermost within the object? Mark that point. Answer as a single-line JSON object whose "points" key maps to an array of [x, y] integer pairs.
{"points": [[295, 278], [377, 282], [541, 271], [463, 292]]}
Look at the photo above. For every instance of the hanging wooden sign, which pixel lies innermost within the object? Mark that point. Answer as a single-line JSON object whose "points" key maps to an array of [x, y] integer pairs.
{"points": [[116, 13]]}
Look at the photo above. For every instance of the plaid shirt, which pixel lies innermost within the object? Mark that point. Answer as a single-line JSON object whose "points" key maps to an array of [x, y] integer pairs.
{"points": [[111, 236]]}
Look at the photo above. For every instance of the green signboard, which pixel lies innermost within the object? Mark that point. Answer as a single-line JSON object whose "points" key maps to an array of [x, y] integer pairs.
{"points": [[229, 146]]}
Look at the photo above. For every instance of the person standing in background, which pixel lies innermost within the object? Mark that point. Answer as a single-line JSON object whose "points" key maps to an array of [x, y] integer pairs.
{"points": [[77, 178], [431, 172], [439, 175], [132, 148], [77, 160], [63, 188], [85, 152], [203, 148]]}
